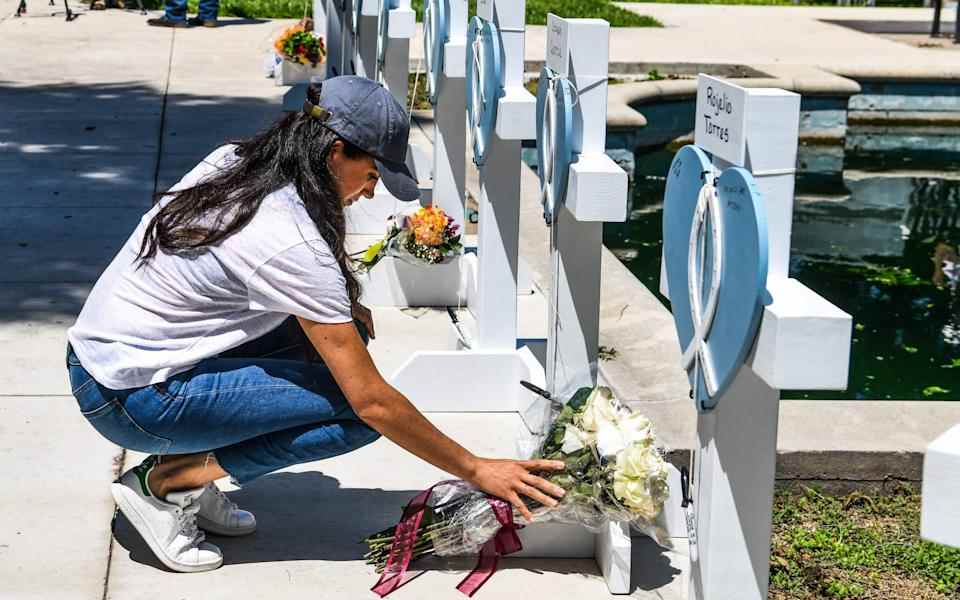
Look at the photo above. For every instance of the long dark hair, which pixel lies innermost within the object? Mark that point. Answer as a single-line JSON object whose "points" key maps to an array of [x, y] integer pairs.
{"points": [[293, 150]]}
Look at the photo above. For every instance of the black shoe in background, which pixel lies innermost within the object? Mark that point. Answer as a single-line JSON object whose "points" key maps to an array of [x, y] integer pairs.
{"points": [[165, 22], [198, 22]]}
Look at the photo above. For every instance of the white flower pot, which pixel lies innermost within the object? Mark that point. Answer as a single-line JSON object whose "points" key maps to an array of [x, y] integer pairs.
{"points": [[291, 73], [396, 282]]}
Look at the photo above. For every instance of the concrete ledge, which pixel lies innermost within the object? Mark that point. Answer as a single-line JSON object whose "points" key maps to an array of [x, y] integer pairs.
{"points": [[626, 99], [808, 81], [903, 118], [915, 73]]}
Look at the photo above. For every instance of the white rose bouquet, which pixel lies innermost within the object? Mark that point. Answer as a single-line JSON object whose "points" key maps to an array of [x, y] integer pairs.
{"points": [[614, 472]]}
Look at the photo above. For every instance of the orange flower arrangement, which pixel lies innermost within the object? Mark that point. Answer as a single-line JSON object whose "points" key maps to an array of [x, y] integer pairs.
{"points": [[297, 44], [428, 235], [428, 226]]}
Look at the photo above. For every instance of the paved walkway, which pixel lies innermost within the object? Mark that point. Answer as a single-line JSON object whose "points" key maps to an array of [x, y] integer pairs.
{"points": [[758, 35], [96, 115]]}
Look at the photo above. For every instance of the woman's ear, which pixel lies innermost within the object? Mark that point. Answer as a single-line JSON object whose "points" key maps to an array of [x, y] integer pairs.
{"points": [[336, 155], [336, 149]]}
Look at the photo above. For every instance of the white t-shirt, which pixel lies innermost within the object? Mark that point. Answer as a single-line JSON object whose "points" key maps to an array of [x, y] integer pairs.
{"points": [[141, 326]]}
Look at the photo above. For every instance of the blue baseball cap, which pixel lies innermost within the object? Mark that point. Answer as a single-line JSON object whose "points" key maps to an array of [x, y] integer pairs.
{"points": [[365, 114]]}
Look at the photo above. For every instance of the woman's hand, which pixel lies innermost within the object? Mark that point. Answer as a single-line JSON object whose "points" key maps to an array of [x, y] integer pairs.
{"points": [[362, 313], [510, 479]]}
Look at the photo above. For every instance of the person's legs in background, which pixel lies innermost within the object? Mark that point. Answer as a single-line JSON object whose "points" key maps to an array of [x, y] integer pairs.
{"points": [[174, 15], [175, 10], [207, 13]]}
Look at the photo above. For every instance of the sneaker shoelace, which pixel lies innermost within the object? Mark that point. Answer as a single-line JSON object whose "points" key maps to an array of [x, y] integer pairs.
{"points": [[187, 522], [224, 501]]}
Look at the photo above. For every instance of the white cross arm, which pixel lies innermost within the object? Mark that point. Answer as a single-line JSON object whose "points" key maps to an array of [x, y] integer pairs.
{"points": [[455, 50], [804, 340], [455, 58], [403, 21], [516, 114], [596, 189], [939, 518]]}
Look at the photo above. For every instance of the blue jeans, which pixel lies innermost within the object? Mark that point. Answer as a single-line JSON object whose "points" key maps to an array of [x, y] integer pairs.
{"points": [[260, 407], [176, 10]]}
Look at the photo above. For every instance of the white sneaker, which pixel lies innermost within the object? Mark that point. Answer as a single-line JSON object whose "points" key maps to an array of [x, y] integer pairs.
{"points": [[221, 516], [168, 526]]}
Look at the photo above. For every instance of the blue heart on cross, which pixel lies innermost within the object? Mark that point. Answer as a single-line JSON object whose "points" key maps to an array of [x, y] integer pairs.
{"points": [[484, 70], [715, 251]]}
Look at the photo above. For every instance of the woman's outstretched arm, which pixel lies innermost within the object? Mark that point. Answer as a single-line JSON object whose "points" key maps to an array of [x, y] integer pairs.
{"points": [[388, 411]]}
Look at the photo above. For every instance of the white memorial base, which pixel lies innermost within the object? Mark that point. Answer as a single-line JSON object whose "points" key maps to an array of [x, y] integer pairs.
{"points": [[434, 381], [940, 519], [291, 73]]}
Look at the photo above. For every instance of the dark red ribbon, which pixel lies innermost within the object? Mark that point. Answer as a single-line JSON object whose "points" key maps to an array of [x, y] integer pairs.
{"points": [[401, 550], [506, 541]]}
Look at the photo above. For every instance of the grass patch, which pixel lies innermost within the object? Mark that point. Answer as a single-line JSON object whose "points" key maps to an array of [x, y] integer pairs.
{"points": [[537, 10], [423, 99], [857, 547], [246, 9], [879, 3]]}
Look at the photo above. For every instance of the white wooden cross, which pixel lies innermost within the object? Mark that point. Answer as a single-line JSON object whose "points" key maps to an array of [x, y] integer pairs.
{"points": [[393, 54], [376, 44], [493, 365], [803, 343], [365, 28], [449, 141], [499, 202], [333, 30], [578, 50], [370, 38]]}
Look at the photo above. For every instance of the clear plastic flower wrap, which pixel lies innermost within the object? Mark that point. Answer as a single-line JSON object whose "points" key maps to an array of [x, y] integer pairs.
{"points": [[615, 471]]}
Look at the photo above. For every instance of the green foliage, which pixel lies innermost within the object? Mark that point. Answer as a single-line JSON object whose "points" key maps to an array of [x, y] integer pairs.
{"points": [[417, 85], [933, 390], [654, 75], [606, 353], [536, 9], [890, 276], [302, 45], [599, 9], [788, 2], [580, 398], [841, 589], [250, 9], [856, 546]]}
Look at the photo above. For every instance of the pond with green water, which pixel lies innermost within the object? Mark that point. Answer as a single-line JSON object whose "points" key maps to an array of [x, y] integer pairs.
{"points": [[878, 237]]}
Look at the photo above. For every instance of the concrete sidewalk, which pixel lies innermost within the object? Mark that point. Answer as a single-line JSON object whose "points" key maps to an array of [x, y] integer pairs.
{"points": [[696, 34], [98, 114], [90, 127]]}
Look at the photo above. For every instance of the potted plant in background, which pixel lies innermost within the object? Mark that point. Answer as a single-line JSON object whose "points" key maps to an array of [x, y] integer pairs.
{"points": [[301, 54]]}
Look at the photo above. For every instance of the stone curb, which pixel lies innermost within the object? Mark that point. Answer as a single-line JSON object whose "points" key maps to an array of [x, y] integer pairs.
{"points": [[809, 81]]}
